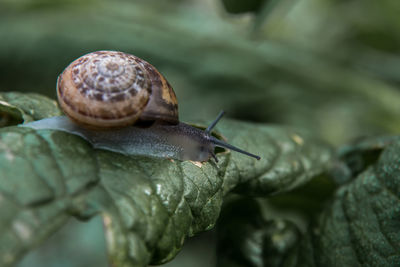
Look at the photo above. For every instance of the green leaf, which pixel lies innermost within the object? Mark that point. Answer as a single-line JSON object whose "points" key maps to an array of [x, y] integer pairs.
{"points": [[361, 225], [250, 235], [264, 231], [26, 107], [149, 206]]}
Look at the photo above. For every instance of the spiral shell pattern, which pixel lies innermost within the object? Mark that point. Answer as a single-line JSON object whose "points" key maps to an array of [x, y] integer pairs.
{"points": [[105, 89]]}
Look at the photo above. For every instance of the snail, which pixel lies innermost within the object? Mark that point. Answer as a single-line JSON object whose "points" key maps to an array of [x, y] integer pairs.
{"points": [[119, 102]]}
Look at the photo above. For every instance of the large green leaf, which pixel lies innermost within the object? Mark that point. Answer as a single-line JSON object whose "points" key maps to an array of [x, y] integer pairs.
{"points": [[360, 227], [149, 206]]}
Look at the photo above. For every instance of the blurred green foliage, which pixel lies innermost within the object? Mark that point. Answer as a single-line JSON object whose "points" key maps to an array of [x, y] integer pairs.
{"points": [[330, 66]]}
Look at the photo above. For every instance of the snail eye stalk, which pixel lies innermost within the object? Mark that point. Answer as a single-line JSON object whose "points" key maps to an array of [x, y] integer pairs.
{"points": [[220, 143], [212, 125]]}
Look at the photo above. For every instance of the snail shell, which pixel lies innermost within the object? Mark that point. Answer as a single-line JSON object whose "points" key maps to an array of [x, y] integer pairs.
{"points": [[110, 89]]}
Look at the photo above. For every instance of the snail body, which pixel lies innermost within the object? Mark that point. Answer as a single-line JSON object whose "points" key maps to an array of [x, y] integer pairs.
{"points": [[119, 102], [179, 141]]}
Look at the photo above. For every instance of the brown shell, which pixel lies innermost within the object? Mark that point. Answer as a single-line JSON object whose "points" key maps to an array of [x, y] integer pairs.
{"points": [[110, 89]]}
